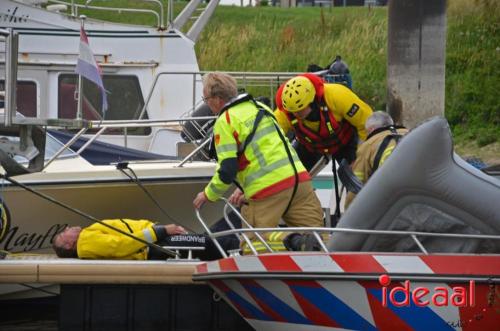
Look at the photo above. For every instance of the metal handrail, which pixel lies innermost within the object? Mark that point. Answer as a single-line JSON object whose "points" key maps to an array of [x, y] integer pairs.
{"points": [[316, 230], [74, 9], [65, 147], [207, 230], [226, 217], [247, 240], [143, 123], [228, 221], [104, 125], [247, 78], [194, 152]]}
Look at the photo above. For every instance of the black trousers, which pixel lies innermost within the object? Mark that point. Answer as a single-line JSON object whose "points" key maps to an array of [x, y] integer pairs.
{"points": [[201, 240], [309, 159], [210, 251]]}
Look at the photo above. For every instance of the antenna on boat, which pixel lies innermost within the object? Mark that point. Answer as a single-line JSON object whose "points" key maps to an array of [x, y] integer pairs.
{"points": [[170, 13], [79, 112]]}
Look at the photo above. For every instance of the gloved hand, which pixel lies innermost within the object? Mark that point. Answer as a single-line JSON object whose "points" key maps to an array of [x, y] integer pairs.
{"points": [[301, 242]]}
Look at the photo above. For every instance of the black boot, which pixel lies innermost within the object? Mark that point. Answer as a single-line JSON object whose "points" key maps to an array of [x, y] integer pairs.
{"points": [[301, 242]]}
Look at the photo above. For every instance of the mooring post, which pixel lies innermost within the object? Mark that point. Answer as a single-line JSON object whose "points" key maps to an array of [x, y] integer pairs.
{"points": [[416, 60]]}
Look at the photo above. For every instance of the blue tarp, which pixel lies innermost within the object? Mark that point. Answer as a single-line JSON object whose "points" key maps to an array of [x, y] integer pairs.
{"points": [[100, 153]]}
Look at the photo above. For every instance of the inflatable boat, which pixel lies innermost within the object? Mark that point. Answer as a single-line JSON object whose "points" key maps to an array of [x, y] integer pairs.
{"points": [[419, 249]]}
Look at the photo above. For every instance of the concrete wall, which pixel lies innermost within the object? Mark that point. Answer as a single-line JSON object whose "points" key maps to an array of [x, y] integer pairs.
{"points": [[416, 60], [288, 3]]}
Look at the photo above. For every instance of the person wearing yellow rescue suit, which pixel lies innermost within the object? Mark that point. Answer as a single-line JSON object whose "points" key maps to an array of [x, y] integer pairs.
{"points": [[253, 152], [327, 119], [98, 241], [383, 136]]}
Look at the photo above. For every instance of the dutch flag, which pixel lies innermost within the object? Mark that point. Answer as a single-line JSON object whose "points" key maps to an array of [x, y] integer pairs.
{"points": [[88, 67]]}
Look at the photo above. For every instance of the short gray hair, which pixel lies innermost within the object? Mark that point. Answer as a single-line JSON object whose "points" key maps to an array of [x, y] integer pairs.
{"points": [[378, 119], [218, 84]]}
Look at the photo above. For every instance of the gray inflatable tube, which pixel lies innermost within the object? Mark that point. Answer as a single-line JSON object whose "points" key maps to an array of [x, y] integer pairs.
{"points": [[424, 186]]}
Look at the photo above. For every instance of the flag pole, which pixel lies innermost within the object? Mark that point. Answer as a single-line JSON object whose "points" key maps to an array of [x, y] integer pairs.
{"points": [[79, 105]]}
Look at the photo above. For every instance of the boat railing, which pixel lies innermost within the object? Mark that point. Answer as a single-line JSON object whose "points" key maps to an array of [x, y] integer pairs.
{"points": [[102, 126], [317, 232], [245, 80], [265, 82], [159, 16], [11, 39], [269, 81]]}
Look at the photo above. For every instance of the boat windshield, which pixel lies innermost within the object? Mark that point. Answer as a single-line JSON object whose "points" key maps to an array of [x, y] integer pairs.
{"points": [[52, 146]]}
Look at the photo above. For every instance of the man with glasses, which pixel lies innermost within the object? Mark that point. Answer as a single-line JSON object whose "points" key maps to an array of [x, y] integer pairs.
{"points": [[253, 153]]}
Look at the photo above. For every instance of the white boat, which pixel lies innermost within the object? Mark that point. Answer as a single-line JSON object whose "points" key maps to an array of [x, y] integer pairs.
{"points": [[150, 73], [134, 59], [30, 222], [101, 191], [149, 93], [48, 50]]}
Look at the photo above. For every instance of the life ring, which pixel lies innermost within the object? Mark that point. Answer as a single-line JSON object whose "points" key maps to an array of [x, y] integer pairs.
{"points": [[4, 220]]}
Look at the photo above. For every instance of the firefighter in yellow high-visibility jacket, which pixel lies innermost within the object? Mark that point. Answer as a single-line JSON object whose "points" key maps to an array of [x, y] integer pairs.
{"points": [[253, 152]]}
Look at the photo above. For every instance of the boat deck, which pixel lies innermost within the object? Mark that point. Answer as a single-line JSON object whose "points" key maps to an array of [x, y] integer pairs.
{"points": [[112, 295], [50, 269]]}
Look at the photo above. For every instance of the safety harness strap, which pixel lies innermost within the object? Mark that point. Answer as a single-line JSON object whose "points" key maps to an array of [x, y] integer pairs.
{"points": [[383, 146], [260, 115]]}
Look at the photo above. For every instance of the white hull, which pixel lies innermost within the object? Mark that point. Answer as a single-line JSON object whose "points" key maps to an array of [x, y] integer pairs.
{"points": [[48, 49], [102, 192]]}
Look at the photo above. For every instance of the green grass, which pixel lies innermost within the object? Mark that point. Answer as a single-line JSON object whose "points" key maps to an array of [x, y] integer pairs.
{"points": [[473, 70], [276, 39]]}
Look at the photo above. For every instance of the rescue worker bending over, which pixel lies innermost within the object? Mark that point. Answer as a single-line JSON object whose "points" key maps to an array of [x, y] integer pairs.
{"points": [[327, 119], [100, 242], [253, 152], [382, 138]]}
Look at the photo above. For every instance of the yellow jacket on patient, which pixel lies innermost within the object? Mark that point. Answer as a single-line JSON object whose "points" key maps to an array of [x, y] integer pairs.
{"points": [[100, 242]]}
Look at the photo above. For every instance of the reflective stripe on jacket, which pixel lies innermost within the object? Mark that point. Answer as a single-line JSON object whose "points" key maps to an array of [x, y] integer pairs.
{"points": [[100, 242], [264, 167]]}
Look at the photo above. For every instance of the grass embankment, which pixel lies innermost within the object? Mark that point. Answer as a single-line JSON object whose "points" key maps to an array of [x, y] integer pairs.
{"points": [[276, 39]]}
